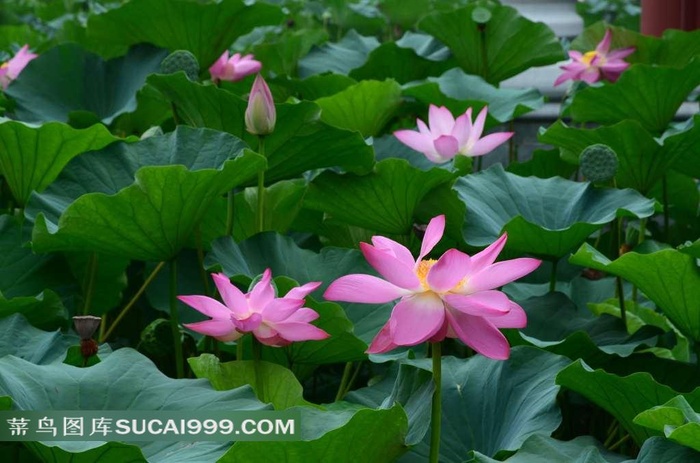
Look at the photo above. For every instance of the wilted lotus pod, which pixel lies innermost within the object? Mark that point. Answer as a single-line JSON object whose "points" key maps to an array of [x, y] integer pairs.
{"points": [[598, 163], [85, 326], [181, 60]]}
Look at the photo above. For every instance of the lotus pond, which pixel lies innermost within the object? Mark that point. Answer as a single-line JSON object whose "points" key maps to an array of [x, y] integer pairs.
{"points": [[327, 207]]}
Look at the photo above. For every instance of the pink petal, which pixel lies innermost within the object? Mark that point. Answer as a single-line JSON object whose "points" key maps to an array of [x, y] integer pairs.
{"points": [[488, 256], [391, 268], [621, 53], [575, 55], [604, 45], [481, 304], [366, 289], [262, 293], [591, 75], [303, 314], [433, 235], [479, 334], [416, 318], [500, 273], [302, 291], [423, 129], [478, 127], [382, 342], [446, 146], [440, 120], [215, 328], [234, 299], [450, 268], [247, 324], [208, 306], [397, 250], [489, 142], [281, 309], [615, 66], [246, 68], [515, 318], [414, 140], [462, 128], [294, 331]]}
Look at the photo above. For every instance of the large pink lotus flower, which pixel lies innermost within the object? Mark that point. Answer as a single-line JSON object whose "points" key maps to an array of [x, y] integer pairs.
{"points": [[446, 137], [273, 321], [12, 68], [260, 115], [598, 64], [234, 68], [454, 296]]}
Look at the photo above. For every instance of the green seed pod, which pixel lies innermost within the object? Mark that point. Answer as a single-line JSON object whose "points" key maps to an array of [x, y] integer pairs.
{"points": [[598, 163], [181, 60]]}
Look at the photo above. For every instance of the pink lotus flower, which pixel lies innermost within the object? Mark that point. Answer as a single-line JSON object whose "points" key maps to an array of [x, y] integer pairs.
{"points": [[454, 296], [602, 63], [273, 321], [233, 68], [12, 68], [260, 115], [447, 137]]}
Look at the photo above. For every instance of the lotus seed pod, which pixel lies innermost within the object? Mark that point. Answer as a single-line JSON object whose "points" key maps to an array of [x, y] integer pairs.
{"points": [[157, 338], [181, 60], [598, 163]]}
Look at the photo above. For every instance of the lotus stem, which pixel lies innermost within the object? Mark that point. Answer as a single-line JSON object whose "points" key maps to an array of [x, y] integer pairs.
{"points": [[553, 277], [512, 151], [343, 381], [257, 366], [664, 193], [131, 303], [239, 349], [261, 188], [200, 259], [89, 285], [229, 213], [621, 299], [436, 412], [174, 323]]}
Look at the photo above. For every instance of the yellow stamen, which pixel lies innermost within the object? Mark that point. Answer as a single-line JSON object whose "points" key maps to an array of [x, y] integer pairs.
{"points": [[588, 57], [424, 267]]}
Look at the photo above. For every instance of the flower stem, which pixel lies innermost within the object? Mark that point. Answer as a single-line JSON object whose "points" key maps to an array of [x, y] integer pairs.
{"points": [[664, 189], [621, 299], [133, 300], [257, 358], [174, 323], [200, 259], [229, 213], [343, 382], [261, 188], [553, 277], [239, 349], [436, 413], [89, 282]]}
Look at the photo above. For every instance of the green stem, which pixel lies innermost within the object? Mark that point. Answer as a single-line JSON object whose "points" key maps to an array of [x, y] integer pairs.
{"points": [[131, 303], [354, 376], [89, 285], [176, 120], [343, 381], [512, 152], [621, 299], [174, 323], [664, 187], [200, 259], [619, 442], [553, 277], [229, 213], [436, 412], [484, 55], [261, 188], [478, 162], [257, 366], [239, 349]]}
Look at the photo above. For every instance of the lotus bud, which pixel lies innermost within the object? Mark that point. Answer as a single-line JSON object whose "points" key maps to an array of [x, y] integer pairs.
{"points": [[260, 116]]}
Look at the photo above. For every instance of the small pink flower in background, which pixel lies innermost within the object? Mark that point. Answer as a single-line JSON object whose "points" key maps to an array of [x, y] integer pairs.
{"points": [[454, 296], [234, 68], [12, 68], [260, 115], [273, 321], [446, 137], [595, 65]]}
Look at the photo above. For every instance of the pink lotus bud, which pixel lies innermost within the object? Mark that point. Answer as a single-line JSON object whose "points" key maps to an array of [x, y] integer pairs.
{"points": [[234, 68], [260, 116], [12, 68]]}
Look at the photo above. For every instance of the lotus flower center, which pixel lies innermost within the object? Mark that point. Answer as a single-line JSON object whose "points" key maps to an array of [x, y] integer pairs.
{"points": [[4, 65], [422, 270], [590, 56]]}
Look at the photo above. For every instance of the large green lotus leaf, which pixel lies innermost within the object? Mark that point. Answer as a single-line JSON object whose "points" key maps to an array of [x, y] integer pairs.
{"points": [[315, 87], [684, 148], [403, 64], [280, 387], [623, 397], [668, 277], [124, 380], [204, 28], [642, 161], [44, 310], [650, 95], [512, 43], [676, 419], [103, 277], [96, 205], [412, 387], [281, 55], [657, 449], [284, 257], [543, 164], [459, 91], [18, 34], [299, 143], [384, 200], [19, 338], [32, 157], [339, 57], [405, 13], [538, 448], [81, 82], [337, 436], [498, 201], [490, 405], [365, 107]]}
